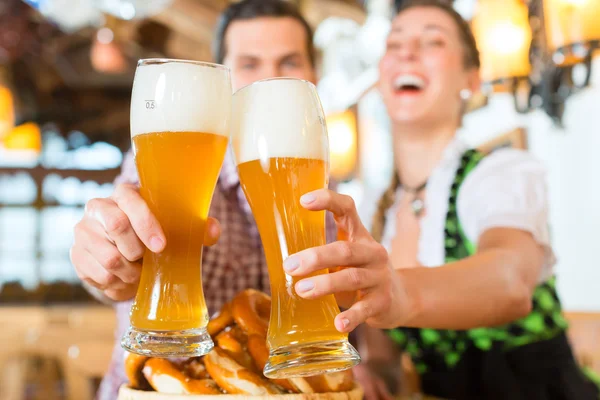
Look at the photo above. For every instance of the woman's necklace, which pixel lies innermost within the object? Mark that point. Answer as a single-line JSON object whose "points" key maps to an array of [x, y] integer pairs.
{"points": [[417, 203]]}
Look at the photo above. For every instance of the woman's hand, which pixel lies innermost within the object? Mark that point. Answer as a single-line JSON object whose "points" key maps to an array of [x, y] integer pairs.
{"points": [[381, 300]]}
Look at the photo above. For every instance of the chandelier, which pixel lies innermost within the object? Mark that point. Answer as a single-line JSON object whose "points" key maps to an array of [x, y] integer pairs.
{"points": [[539, 50]]}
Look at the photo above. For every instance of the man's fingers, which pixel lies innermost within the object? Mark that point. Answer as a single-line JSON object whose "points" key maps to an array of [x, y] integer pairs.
{"points": [[103, 215], [144, 223], [89, 270], [122, 294], [105, 256], [213, 232]]}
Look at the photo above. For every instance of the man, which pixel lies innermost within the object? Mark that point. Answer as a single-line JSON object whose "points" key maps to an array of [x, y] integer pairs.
{"points": [[256, 39]]}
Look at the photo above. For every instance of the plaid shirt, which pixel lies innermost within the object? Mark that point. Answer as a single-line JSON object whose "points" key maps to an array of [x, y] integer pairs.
{"points": [[235, 263]]}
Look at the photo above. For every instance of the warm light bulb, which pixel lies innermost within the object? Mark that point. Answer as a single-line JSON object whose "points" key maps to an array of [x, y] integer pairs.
{"points": [[576, 3], [569, 22], [506, 37], [24, 137], [503, 34], [7, 114], [105, 35], [341, 137], [343, 151], [105, 54]]}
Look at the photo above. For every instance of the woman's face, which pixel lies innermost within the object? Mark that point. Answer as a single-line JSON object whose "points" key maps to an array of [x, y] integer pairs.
{"points": [[422, 72]]}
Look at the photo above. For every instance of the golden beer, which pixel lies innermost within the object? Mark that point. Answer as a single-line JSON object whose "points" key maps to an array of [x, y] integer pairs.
{"points": [[284, 223], [178, 172], [281, 147], [180, 115]]}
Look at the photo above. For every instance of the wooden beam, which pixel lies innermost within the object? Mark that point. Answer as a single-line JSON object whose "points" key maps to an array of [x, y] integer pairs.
{"points": [[316, 11], [197, 20], [190, 18], [183, 47]]}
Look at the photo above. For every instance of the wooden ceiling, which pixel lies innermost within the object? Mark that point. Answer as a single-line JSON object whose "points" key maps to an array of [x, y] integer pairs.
{"points": [[54, 81], [193, 21], [183, 30]]}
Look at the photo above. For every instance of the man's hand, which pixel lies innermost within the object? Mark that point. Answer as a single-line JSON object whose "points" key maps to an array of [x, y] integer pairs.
{"points": [[112, 238]]}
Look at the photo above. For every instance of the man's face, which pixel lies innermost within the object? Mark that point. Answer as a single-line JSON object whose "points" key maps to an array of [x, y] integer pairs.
{"points": [[268, 47]]}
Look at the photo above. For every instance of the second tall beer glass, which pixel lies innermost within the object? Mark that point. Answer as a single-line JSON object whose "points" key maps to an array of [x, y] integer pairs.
{"points": [[282, 151], [180, 115]]}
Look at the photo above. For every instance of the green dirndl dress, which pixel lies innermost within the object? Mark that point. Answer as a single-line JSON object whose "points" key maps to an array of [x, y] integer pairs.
{"points": [[528, 359]]}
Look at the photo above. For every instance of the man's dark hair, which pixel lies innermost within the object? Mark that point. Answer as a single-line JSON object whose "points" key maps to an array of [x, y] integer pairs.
{"points": [[251, 9]]}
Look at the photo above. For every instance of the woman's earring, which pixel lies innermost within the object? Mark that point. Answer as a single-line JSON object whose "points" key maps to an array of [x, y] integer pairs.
{"points": [[465, 94]]}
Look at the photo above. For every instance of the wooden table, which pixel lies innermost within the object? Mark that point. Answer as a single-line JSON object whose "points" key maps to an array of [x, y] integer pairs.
{"points": [[73, 336]]}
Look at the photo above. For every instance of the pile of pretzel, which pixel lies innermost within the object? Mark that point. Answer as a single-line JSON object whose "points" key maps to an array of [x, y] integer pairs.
{"points": [[235, 364]]}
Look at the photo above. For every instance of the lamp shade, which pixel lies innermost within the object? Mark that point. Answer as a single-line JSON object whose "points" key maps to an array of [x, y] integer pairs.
{"points": [[24, 137], [105, 54], [7, 113], [503, 35], [343, 144], [571, 22]]}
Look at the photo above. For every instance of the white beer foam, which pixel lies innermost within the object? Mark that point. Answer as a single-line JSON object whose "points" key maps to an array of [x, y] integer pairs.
{"points": [[278, 118], [181, 97]]}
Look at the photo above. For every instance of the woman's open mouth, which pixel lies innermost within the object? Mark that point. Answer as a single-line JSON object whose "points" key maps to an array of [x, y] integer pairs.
{"points": [[408, 85]]}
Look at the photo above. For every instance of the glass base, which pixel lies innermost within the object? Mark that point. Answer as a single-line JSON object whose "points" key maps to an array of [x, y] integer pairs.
{"points": [[310, 359], [188, 343]]}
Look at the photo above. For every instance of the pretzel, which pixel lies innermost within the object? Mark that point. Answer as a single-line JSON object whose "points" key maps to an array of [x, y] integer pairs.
{"points": [[219, 322], [257, 346], [251, 310], [334, 382], [235, 364], [228, 341], [234, 378], [194, 369], [133, 370], [164, 377]]}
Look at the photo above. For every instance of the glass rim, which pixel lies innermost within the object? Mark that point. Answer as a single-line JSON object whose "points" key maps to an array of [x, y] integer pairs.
{"points": [[279, 78], [159, 61]]}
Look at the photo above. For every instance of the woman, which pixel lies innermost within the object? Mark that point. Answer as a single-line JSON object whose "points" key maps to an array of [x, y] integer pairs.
{"points": [[494, 325]]}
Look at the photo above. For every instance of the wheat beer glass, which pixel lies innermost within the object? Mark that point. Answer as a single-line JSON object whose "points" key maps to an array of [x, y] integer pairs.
{"points": [[282, 152], [180, 115]]}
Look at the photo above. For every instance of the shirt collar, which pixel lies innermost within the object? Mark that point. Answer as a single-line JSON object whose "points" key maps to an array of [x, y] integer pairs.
{"points": [[453, 152]]}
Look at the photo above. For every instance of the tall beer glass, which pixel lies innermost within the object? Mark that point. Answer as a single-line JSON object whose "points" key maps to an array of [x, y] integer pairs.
{"points": [[282, 151], [180, 115]]}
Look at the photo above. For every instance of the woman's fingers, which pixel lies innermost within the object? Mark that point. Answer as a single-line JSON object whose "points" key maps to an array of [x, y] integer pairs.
{"points": [[373, 304], [341, 253], [343, 209], [346, 280], [367, 270]]}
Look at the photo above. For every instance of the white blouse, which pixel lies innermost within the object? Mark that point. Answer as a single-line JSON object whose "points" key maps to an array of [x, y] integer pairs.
{"points": [[506, 189]]}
